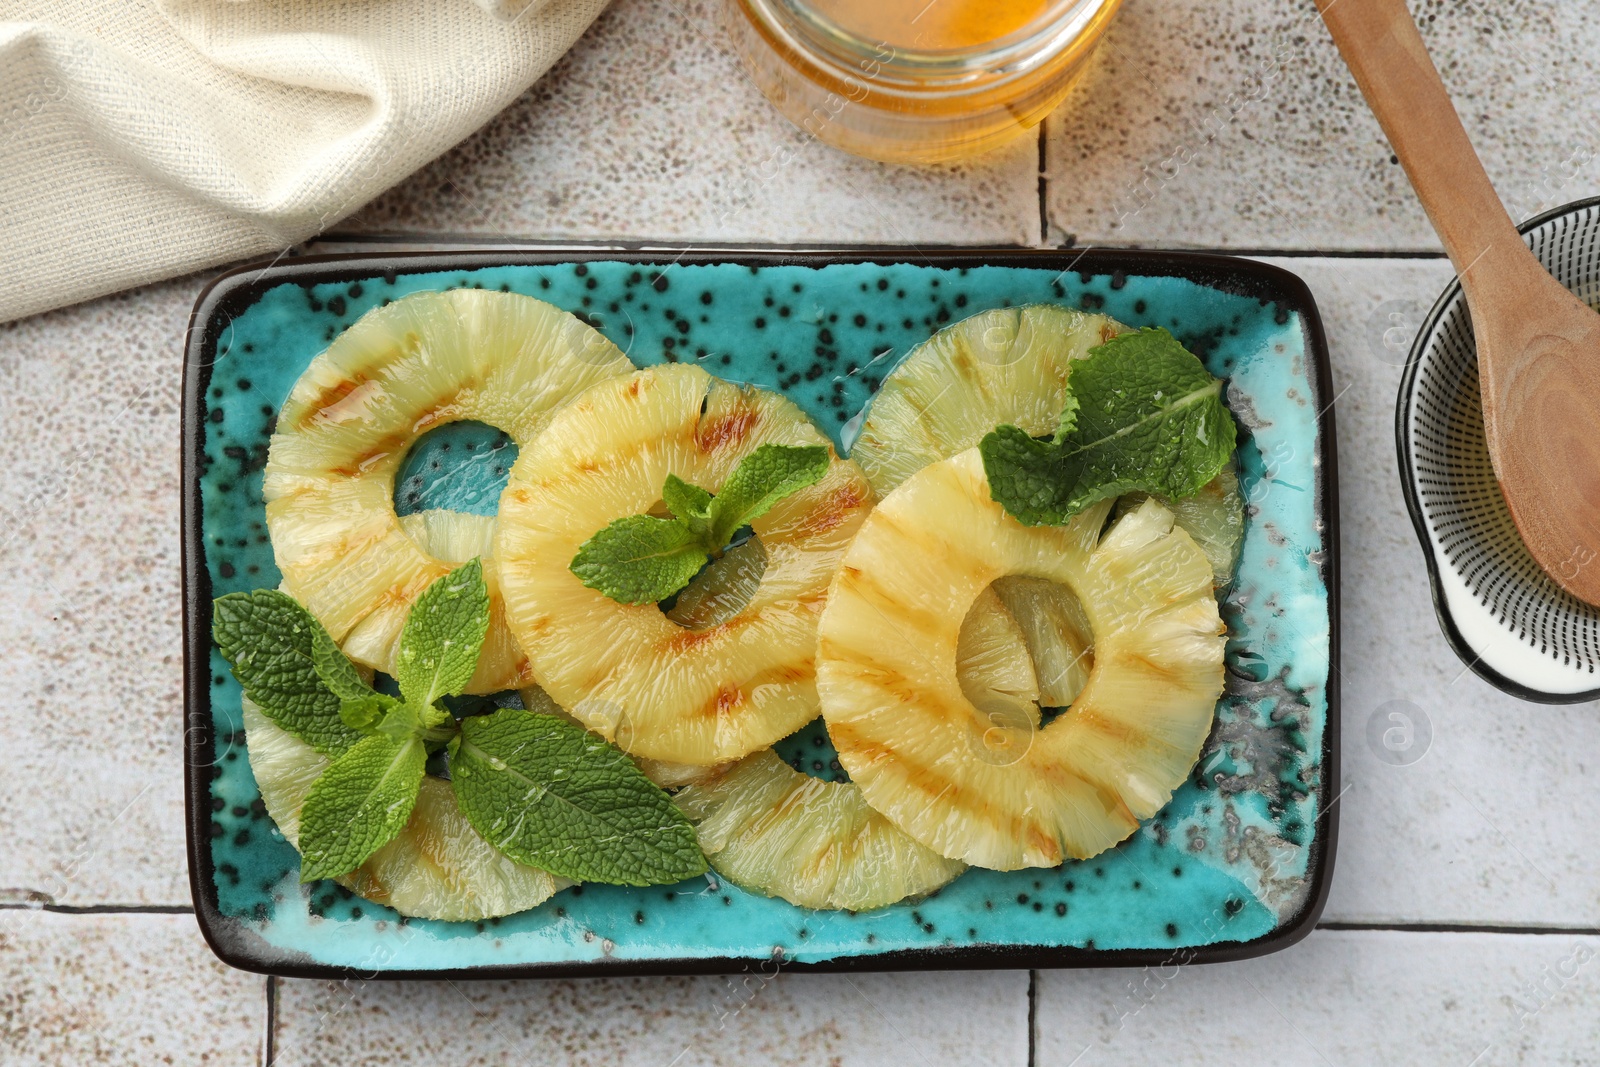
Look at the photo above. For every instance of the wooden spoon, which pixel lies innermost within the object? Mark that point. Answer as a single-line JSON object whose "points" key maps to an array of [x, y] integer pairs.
{"points": [[1538, 345]]}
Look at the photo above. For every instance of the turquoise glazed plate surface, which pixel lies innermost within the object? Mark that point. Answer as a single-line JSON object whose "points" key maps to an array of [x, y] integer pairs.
{"points": [[1237, 864]]}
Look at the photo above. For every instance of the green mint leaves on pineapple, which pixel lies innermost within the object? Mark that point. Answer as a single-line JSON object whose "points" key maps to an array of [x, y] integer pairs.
{"points": [[641, 559], [359, 804], [761, 479], [271, 642], [289, 665], [364, 799], [442, 639], [549, 794], [1141, 413], [540, 789]]}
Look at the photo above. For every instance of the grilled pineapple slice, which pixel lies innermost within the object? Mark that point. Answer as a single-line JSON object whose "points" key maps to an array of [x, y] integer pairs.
{"points": [[999, 796], [627, 672], [436, 868], [1009, 365], [770, 829], [400, 370]]}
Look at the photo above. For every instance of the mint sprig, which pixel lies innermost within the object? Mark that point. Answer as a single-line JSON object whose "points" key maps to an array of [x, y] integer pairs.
{"points": [[550, 794], [555, 796], [642, 559], [1141, 413], [364, 798]]}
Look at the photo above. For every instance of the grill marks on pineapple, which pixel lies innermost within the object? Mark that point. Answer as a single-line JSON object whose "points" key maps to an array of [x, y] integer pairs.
{"points": [[325, 407], [688, 696], [729, 699], [840, 505], [728, 431], [921, 752], [400, 370], [392, 446]]}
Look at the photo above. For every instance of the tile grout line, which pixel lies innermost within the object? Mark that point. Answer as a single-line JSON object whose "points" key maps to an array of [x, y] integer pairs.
{"points": [[1033, 1018], [269, 1039], [1044, 211], [490, 243], [101, 909]]}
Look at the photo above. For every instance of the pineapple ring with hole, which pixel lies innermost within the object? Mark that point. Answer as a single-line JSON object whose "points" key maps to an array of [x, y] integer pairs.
{"points": [[999, 794], [437, 867], [768, 828], [399, 371], [626, 671]]}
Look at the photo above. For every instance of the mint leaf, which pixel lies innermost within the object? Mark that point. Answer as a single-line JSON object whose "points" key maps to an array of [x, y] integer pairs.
{"points": [[1029, 477], [1141, 413], [442, 639], [640, 559], [761, 479], [366, 713], [360, 706], [688, 502], [552, 795], [359, 804], [269, 640], [335, 669]]}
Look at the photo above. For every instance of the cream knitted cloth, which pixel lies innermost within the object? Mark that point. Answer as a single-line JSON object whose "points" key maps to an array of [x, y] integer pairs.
{"points": [[140, 139]]}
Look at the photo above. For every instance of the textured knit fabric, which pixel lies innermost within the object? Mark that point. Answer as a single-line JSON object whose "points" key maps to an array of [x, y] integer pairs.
{"points": [[140, 139]]}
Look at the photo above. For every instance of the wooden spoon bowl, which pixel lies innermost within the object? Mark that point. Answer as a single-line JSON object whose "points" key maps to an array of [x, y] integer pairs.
{"points": [[1538, 346]]}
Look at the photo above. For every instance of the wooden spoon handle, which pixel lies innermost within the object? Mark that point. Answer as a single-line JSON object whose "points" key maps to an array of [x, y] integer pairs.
{"points": [[1385, 52]]}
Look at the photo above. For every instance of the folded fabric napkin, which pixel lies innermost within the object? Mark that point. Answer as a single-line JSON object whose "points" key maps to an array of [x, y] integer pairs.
{"points": [[140, 139]]}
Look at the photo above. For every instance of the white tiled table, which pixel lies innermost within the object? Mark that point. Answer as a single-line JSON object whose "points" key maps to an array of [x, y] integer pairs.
{"points": [[1464, 920]]}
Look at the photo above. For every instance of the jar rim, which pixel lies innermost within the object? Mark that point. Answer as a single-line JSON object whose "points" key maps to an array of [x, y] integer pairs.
{"points": [[879, 62]]}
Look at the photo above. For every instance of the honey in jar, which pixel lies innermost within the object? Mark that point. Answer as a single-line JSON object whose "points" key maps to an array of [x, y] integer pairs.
{"points": [[917, 80]]}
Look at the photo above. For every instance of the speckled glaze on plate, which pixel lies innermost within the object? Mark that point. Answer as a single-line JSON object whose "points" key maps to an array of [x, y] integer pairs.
{"points": [[1236, 865]]}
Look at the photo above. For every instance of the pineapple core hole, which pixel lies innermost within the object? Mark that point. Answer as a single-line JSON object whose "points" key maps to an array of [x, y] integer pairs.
{"points": [[1049, 620], [461, 466]]}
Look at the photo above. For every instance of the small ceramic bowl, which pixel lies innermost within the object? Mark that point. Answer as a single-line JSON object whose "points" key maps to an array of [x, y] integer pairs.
{"points": [[1506, 619]]}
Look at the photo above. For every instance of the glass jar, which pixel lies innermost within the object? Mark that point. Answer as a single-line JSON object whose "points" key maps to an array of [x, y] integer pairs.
{"points": [[873, 82]]}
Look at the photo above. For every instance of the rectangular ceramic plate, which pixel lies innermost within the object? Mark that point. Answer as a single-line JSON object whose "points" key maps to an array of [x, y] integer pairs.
{"points": [[1237, 865]]}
